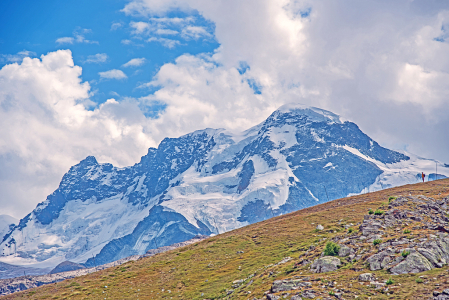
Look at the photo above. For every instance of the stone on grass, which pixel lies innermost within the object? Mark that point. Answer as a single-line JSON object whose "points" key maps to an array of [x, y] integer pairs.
{"points": [[414, 263], [366, 277], [345, 251], [285, 285], [325, 264], [319, 227]]}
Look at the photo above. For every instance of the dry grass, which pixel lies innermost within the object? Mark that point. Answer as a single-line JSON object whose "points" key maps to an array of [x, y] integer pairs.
{"points": [[207, 269]]}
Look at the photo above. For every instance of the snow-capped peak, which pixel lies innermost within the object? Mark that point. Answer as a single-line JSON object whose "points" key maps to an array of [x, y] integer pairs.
{"points": [[313, 114]]}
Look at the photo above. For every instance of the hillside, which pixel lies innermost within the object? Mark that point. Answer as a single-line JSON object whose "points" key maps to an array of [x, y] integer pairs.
{"points": [[204, 183], [246, 262]]}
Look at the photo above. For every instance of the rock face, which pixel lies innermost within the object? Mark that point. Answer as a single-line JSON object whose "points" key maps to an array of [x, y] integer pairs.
{"points": [[325, 264], [206, 182], [424, 225], [415, 263]]}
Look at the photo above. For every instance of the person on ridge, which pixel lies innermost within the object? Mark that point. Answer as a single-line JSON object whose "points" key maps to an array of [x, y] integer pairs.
{"points": [[423, 176]]}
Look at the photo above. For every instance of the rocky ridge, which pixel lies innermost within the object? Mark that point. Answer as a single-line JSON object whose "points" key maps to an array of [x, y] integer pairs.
{"points": [[407, 235]]}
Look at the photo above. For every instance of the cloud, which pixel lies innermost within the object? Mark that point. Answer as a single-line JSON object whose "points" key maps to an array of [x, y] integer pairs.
{"points": [[195, 32], [113, 74], [168, 43], [65, 40], [382, 64], [140, 27], [78, 37], [126, 42], [97, 58], [166, 32], [8, 58], [116, 25], [135, 62], [156, 27], [49, 128]]}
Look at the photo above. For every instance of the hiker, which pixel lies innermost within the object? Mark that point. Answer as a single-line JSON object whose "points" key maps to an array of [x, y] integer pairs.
{"points": [[423, 176]]}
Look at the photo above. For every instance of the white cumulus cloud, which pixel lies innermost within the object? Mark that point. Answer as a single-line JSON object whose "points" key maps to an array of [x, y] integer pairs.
{"points": [[97, 58], [47, 129], [113, 74], [135, 62]]}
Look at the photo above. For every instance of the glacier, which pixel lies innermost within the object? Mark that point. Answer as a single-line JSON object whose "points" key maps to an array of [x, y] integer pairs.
{"points": [[206, 183]]}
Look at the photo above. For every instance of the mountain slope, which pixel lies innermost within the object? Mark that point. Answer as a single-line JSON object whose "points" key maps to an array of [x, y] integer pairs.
{"points": [[6, 222], [207, 182], [267, 260]]}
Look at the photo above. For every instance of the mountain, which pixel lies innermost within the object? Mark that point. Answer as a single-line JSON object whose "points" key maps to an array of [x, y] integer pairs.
{"points": [[205, 183], [6, 224]]}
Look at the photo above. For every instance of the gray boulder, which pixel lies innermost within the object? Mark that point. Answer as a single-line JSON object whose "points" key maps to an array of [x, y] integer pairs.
{"points": [[325, 264], [286, 285], [345, 251], [319, 227], [379, 261], [308, 294], [433, 255], [366, 277], [414, 263]]}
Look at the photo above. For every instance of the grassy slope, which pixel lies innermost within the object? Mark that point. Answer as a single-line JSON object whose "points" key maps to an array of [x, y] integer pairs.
{"points": [[207, 269]]}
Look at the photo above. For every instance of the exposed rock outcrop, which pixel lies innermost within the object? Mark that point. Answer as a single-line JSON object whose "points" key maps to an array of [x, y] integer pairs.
{"points": [[325, 264]]}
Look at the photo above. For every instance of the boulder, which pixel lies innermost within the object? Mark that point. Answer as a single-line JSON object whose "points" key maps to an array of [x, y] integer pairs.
{"points": [[433, 255], [319, 227], [366, 277], [414, 263], [379, 261], [325, 264], [285, 285], [308, 294], [345, 251]]}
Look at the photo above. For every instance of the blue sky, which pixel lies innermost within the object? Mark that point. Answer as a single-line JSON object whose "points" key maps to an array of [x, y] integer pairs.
{"points": [[105, 41], [113, 78]]}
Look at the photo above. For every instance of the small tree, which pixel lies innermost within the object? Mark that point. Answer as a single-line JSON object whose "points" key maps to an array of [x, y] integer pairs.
{"points": [[331, 249]]}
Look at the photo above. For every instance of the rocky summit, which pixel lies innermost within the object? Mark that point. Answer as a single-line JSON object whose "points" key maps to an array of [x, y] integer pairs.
{"points": [[206, 183]]}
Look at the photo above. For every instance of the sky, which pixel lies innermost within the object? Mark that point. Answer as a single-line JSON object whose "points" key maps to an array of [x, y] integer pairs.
{"points": [[113, 78]]}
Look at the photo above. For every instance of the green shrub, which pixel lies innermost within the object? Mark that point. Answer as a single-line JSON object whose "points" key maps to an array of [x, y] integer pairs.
{"points": [[405, 253], [331, 293], [331, 249], [378, 212], [350, 230], [407, 231], [377, 242], [391, 198], [370, 211], [419, 280], [389, 281]]}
